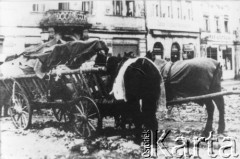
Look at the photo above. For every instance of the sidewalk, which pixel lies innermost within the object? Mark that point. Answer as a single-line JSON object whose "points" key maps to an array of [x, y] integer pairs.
{"points": [[230, 82]]}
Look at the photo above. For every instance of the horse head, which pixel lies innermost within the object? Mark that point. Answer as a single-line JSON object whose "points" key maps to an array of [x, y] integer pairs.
{"points": [[150, 56], [101, 59], [159, 62]]}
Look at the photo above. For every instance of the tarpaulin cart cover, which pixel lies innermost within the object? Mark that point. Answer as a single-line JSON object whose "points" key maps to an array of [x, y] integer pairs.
{"points": [[44, 57], [73, 54]]}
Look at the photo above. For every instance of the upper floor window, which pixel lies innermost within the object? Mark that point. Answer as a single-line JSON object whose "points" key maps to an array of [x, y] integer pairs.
{"points": [[87, 6], [226, 24], [217, 24], [117, 7], [157, 11], [63, 6], [38, 7], [130, 8], [189, 14], [206, 23], [178, 12], [169, 12]]}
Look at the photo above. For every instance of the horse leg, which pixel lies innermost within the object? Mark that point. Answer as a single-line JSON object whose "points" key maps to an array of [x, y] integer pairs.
{"points": [[210, 111], [137, 120], [149, 118], [219, 101]]}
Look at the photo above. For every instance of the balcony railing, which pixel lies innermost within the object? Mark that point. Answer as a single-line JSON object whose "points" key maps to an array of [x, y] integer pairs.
{"points": [[64, 18]]}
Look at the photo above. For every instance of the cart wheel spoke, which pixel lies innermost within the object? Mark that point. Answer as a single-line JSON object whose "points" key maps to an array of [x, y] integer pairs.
{"points": [[93, 114], [61, 114], [58, 111], [84, 129], [24, 119], [24, 108], [65, 117], [88, 120], [80, 110], [19, 117], [20, 110], [91, 125], [88, 129]]}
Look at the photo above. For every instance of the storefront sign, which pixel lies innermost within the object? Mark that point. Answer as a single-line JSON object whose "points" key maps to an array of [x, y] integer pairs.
{"points": [[217, 37], [173, 24], [178, 34], [188, 47], [222, 47]]}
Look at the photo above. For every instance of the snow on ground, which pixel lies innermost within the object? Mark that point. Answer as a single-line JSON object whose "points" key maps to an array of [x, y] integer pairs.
{"points": [[48, 139]]}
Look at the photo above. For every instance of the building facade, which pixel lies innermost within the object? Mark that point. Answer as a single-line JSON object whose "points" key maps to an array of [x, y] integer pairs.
{"points": [[217, 38], [19, 27], [172, 29], [120, 23], [173, 32]]}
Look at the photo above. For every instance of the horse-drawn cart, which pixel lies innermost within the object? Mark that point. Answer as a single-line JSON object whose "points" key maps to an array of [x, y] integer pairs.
{"points": [[29, 93]]}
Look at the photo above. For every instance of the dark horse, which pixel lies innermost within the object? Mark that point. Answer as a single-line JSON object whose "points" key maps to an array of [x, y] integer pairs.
{"points": [[142, 83], [194, 77]]}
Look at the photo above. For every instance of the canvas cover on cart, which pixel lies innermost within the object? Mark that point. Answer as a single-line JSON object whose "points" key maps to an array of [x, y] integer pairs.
{"points": [[44, 57], [73, 54]]}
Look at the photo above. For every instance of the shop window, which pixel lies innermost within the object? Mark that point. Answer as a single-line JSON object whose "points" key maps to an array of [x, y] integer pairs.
{"points": [[38, 7], [175, 52], [212, 53], [87, 6], [121, 46], [130, 8], [158, 50], [117, 7], [188, 51], [227, 58], [63, 6]]}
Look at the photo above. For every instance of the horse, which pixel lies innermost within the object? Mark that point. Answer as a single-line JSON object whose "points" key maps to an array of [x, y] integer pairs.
{"points": [[142, 82], [194, 77]]}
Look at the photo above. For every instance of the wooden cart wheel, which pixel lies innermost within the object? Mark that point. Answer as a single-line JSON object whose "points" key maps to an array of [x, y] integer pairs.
{"points": [[61, 114], [20, 111], [86, 117]]}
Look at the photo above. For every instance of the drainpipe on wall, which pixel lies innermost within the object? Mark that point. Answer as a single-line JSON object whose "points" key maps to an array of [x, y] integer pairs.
{"points": [[237, 59], [146, 23]]}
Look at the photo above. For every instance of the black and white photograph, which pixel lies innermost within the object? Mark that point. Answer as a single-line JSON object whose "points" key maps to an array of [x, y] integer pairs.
{"points": [[119, 79]]}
